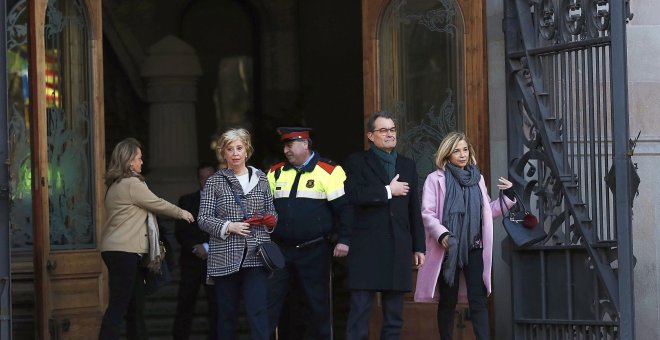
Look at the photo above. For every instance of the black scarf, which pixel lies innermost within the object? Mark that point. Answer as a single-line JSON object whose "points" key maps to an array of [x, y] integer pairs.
{"points": [[461, 216]]}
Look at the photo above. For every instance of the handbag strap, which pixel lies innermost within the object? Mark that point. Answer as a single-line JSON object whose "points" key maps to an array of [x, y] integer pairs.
{"points": [[519, 204], [240, 203], [237, 198]]}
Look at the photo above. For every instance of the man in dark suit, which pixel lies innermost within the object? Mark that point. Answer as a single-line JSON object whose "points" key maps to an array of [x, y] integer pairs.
{"points": [[387, 236], [194, 248]]}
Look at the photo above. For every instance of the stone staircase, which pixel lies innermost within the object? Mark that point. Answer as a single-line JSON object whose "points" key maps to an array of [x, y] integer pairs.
{"points": [[161, 307]]}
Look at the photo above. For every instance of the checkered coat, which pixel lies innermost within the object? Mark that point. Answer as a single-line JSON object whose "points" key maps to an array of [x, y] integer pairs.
{"points": [[218, 207]]}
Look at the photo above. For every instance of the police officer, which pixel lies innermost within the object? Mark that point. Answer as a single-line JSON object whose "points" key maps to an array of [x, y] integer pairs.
{"points": [[308, 192]]}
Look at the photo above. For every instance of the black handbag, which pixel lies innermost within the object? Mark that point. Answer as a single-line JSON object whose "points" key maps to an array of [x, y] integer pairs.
{"points": [[270, 253], [155, 281], [521, 225], [271, 256]]}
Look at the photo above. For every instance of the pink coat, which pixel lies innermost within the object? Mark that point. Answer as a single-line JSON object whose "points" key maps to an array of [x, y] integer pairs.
{"points": [[433, 200]]}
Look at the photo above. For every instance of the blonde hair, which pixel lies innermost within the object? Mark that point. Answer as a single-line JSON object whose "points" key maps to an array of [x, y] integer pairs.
{"points": [[120, 161], [230, 136], [448, 145]]}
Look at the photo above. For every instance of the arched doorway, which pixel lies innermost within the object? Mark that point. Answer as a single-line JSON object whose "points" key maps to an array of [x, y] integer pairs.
{"points": [[425, 62]]}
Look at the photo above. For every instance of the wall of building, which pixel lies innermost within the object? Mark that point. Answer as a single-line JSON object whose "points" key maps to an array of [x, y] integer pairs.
{"points": [[644, 95], [498, 161], [644, 100]]}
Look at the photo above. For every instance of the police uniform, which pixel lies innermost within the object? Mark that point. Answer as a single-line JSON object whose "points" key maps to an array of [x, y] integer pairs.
{"points": [[306, 199]]}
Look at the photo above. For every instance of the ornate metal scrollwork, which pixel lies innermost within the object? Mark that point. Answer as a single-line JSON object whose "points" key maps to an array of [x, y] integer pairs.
{"points": [[574, 17], [600, 14], [564, 21], [546, 19], [562, 144]]}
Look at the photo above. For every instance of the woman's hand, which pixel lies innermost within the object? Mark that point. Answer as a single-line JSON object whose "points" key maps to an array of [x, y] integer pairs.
{"points": [[504, 184], [186, 215], [445, 241], [238, 228]]}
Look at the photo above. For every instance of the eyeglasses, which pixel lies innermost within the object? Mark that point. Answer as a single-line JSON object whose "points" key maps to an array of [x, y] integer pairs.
{"points": [[384, 131]]}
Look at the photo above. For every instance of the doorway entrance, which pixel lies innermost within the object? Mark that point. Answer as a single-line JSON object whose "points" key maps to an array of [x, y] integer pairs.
{"points": [[425, 63]]}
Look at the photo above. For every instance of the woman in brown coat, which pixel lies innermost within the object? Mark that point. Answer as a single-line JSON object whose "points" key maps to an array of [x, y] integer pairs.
{"points": [[127, 203]]}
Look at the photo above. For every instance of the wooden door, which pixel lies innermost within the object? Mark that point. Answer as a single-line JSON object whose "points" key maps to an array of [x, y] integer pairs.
{"points": [[58, 159], [425, 61]]}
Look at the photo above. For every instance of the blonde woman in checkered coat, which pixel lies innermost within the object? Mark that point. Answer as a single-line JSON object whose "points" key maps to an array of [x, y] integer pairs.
{"points": [[235, 231]]}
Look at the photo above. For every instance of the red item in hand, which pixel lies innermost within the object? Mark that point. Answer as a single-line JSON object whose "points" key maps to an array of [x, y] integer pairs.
{"points": [[269, 221], [254, 220]]}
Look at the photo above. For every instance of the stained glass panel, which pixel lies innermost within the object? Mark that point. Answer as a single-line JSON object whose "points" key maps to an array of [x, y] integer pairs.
{"points": [[20, 211], [421, 74], [69, 126]]}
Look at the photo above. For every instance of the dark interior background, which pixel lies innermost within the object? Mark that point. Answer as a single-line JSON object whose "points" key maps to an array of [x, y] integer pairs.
{"points": [[323, 61]]}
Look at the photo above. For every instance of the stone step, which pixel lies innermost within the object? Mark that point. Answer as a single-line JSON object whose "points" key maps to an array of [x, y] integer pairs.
{"points": [[160, 308]]}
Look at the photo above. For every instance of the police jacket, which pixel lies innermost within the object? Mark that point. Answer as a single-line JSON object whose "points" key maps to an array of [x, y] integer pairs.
{"points": [[307, 199]]}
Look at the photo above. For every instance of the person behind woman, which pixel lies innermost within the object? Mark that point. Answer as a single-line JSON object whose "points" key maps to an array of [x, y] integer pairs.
{"points": [[236, 209], [458, 219], [125, 241]]}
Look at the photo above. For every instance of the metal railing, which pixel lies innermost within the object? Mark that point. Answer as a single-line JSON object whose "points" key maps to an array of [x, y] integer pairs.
{"points": [[567, 133]]}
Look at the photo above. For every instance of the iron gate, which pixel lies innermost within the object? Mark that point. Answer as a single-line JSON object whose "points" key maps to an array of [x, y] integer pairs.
{"points": [[568, 132]]}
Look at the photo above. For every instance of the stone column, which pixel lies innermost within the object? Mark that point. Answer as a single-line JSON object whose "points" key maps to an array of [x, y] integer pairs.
{"points": [[171, 70]]}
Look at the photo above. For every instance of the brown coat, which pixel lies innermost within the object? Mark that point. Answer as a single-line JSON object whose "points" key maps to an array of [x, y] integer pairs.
{"points": [[126, 205]]}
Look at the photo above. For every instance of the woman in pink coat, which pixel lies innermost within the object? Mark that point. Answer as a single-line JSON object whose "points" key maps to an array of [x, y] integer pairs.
{"points": [[458, 219]]}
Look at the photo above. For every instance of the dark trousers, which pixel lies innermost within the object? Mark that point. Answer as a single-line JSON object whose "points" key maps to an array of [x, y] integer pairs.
{"points": [[122, 273], [311, 265], [193, 275], [357, 325], [136, 328], [251, 284], [477, 299]]}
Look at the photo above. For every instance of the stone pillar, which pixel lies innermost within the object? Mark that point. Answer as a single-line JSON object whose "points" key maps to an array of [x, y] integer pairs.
{"points": [[171, 70]]}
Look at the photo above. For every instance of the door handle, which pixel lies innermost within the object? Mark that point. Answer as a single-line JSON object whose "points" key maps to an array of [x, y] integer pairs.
{"points": [[51, 265]]}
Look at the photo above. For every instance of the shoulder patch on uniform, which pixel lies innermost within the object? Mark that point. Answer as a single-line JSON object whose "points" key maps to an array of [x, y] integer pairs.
{"points": [[328, 160], [277, 166], [327, 165]]}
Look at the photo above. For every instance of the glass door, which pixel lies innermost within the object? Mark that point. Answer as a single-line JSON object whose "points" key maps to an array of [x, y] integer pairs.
{"points": [[56, 161]]}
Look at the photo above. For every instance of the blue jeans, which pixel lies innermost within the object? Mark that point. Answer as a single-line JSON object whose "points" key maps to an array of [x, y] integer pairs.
{"points": [[251, 284]]}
